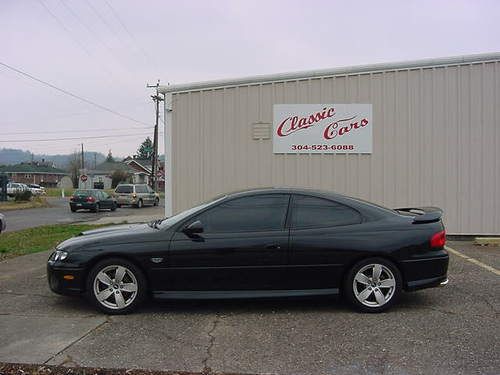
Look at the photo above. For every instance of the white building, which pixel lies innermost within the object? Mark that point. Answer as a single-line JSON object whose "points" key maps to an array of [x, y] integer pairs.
{"points": [[420, 133]]}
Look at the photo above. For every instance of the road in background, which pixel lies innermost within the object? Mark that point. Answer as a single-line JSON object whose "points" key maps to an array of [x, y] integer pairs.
{"points": [[59, 213]]}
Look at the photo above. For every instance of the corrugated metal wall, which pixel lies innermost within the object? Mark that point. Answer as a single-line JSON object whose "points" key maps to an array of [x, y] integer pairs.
{"points": [[436, 140]]}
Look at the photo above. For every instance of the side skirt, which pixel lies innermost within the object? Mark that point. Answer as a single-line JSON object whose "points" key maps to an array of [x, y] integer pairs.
{"points": [[233, 294]]}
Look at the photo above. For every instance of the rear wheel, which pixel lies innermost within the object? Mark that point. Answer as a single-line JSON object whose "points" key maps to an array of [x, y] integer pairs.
{"points": [[373, 285], [73, 209], [96, 208], [113, 207], [116, 286]]}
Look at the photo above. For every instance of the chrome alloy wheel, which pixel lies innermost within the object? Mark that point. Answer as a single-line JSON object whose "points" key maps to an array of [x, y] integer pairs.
{"points": [[115, 287], [374, 285]]}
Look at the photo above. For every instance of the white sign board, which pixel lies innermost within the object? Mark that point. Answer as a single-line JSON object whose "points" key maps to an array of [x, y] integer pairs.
{"points": [[322, 128]]}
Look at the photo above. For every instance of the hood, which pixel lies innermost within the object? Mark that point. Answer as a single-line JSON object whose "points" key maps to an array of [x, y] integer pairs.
{"points": [[114, 234]]}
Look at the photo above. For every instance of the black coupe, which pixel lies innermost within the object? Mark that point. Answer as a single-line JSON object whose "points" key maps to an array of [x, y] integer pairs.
{"points": [[276, 242]]}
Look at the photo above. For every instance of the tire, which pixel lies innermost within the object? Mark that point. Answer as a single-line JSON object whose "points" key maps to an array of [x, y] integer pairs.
{"points": [[96, 208], [139, 204], [133, 279], [367, 294], [118, 205], [113, 207], [73, 210], [157, 201]]}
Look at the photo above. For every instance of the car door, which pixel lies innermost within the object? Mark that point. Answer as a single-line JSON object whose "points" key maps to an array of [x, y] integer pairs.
{"points": [[243, 246], [322, 236]]}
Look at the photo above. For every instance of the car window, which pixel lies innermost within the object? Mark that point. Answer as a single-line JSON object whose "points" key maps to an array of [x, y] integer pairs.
{"points": [[124, 189], [140, 189], [310, 212], [104, 195], [247, 214]]}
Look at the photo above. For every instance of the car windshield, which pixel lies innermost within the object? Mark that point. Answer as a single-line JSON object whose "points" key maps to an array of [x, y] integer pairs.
{"points": [[126, 189], [172, 220]]}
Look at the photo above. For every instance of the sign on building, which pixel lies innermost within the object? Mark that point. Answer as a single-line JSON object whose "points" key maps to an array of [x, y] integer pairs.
{"points": [[322, 128]]}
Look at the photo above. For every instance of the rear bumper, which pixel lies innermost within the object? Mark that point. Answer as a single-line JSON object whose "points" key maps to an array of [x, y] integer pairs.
{"points": [[126, 200], [426, 271], [82, 206]]}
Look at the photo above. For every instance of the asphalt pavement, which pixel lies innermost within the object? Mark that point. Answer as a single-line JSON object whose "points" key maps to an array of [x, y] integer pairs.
{"points": [[59, 213], [450, 330]]}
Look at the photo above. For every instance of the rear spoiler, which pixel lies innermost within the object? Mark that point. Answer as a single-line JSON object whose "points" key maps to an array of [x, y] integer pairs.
{"points": [[423, 214]]}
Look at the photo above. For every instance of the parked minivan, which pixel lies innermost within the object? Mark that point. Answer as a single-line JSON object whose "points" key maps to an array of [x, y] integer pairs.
{"points": [[136, 195]]}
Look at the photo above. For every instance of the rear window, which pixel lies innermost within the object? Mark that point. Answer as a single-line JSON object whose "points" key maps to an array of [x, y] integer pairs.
{"points": [[82, 192], [312, 212], [125, 189]]}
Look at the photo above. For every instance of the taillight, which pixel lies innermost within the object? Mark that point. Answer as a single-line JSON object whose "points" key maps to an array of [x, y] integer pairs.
{"points": [[438, 240], [90, 199]]}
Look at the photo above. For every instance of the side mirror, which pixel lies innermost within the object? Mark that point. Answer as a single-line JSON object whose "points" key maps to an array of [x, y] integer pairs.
{"points": [[193, 228]]}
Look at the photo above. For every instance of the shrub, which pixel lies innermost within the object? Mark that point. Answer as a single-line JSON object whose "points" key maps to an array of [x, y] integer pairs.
{"points": [[23, 196]]}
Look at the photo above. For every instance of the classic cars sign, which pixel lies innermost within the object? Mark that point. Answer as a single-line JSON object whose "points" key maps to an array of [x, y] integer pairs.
{"points": [[322, 128]]}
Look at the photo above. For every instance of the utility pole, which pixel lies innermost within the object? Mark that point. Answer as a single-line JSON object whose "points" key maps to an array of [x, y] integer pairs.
{"points": [[154, 159], [83, 159]]}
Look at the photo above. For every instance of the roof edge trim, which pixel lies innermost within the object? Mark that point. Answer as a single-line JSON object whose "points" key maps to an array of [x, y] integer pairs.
{"points": [[306, 74]]}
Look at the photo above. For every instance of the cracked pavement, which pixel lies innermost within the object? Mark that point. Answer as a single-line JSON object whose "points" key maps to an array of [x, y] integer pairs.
{"points": [[451, 330]]}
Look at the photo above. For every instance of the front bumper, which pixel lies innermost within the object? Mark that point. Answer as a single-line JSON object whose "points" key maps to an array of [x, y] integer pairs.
{"points": [[65, 280]]}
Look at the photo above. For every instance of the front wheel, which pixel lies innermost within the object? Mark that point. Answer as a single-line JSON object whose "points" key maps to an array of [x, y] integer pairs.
{"points": [[116, 286], [373, 285], [157, 201], [139, 204]]}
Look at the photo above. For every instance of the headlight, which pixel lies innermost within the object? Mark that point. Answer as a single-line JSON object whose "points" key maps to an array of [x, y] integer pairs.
{"points": [[60, 255]]}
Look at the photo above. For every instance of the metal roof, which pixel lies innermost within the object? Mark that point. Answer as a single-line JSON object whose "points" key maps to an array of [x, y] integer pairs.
{"points": [[372, 68]]}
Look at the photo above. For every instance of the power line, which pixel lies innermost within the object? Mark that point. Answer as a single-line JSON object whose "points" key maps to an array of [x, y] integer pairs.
{"points": [[75, 15], [66, 92], [120, 21], [86, 130], [81, 45], [71, 138]]}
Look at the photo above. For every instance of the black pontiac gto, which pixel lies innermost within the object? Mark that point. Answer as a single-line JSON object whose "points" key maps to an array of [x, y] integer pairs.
{"points": [[275, 242]]}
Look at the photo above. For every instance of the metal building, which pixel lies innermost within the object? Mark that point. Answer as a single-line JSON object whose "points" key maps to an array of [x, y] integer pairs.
{"points": [[435, 138]]}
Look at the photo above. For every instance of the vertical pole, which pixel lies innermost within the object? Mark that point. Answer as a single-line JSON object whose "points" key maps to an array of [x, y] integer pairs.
{"points": [[83, 159], [154, 164], [167, 105]]}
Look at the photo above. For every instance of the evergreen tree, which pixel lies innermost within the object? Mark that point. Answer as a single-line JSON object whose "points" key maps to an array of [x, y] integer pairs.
{"points": [[146, 149]]}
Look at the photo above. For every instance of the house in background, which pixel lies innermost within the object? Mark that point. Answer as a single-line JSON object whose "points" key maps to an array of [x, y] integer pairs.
{"points": [[142, 168], [102, 176], [35, 172]]}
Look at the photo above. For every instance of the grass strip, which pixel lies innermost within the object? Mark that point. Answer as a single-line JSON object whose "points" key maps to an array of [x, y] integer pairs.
{"points": [[33, 240]]}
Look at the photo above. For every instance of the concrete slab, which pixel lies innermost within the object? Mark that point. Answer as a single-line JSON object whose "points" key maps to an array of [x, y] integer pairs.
{"points": [[37, 339]]}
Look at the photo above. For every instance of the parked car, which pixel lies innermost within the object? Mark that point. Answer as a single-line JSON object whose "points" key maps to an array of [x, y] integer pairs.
{"points": [[14, 188], [3, 224], [91, 199], [137, 195], [36, 189], [259, 243]]}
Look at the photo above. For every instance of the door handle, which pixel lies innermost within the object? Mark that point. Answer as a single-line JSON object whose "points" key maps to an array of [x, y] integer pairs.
{"points": [[273, 247]]}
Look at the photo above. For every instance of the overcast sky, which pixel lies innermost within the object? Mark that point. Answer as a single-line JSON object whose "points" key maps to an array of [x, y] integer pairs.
{"points": [[107, 50]]}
